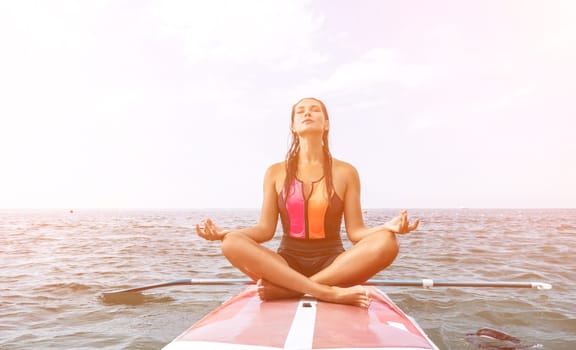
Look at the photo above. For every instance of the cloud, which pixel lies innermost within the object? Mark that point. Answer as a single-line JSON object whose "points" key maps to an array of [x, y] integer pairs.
{"points": [[375, 67], [552, 25], [252, 31], [423, 122], [48, 26]]}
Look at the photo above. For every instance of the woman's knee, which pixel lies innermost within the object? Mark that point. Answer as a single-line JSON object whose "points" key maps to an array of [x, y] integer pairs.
{"points": [[386, 246], [230, 243]]}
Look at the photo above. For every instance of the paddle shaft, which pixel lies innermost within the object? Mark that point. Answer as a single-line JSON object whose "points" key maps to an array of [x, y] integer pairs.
{"points": [[425, 283], [428, 283]]}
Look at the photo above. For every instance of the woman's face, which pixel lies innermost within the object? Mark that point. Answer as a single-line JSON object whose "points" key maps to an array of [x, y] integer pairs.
{"points": [[309, 117]]}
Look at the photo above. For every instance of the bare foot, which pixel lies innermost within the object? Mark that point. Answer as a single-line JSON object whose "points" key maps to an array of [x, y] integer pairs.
{"points": [[270, 291], [357, 296]]}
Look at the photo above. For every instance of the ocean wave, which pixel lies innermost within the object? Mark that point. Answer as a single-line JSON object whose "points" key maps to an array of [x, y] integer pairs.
{"points": [[54, 273]]}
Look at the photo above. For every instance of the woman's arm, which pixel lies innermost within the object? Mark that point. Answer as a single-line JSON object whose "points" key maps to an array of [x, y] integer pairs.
{"points": [[265, 228], [355, 228]]}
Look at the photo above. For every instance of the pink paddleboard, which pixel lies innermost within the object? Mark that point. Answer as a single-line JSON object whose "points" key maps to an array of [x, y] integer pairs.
{"points": [[245, 322]]}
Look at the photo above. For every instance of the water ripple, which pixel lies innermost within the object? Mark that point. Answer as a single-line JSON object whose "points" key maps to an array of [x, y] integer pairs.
{"points": [[55, 265]]}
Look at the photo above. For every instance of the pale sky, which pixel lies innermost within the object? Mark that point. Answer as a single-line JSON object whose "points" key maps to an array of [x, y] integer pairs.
{"points": [[184, 104]]}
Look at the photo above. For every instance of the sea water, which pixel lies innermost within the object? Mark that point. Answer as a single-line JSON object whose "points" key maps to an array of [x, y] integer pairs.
{"points": [[55, 264]]}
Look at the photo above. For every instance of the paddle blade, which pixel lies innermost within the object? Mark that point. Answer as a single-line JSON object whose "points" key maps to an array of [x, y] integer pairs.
{"points": [[178, 282], [489, 338]]}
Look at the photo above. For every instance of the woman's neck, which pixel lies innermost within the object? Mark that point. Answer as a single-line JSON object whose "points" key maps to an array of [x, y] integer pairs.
{"points": [[310, 151]]}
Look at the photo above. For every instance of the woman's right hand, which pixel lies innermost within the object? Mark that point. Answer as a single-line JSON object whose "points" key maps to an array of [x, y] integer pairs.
{"points": [[210, 231]]}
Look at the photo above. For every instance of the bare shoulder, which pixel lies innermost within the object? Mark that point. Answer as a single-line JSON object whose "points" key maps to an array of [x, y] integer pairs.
{"points": [[275, 175], [345, 177], [342, 168], [276, 169]]}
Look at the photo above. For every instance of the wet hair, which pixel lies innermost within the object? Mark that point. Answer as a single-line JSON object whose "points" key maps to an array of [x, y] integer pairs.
{"points": [[291, 161]]}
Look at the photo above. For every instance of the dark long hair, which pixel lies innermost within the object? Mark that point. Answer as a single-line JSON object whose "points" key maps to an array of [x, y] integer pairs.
{"points": [[291, 161]]}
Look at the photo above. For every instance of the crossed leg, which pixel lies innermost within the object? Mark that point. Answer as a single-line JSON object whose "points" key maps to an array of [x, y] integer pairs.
{"points": [[337, 283], [354, 266]]}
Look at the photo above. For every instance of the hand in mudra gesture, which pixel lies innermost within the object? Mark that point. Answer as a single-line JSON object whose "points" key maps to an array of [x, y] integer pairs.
{"points": [[211, 232], [401, 224]]}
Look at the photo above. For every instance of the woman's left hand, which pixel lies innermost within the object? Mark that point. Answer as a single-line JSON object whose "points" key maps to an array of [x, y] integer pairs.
{"points": [[401, 224]]}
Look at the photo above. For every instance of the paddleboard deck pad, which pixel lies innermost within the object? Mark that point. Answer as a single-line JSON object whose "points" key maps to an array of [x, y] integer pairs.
{"points": [[246, 322]]}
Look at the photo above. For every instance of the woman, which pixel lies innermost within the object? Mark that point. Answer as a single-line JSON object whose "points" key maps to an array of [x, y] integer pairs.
{"points": [[311, 192]]}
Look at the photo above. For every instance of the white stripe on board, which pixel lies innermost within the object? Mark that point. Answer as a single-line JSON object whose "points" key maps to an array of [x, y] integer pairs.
{"points": [[301, 334], [398, 325]]}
